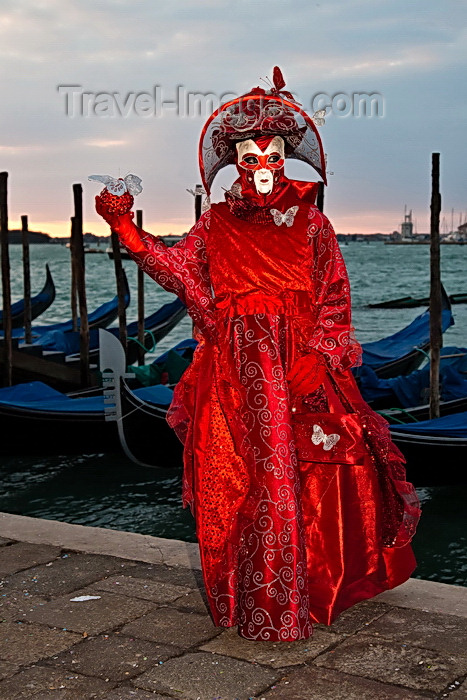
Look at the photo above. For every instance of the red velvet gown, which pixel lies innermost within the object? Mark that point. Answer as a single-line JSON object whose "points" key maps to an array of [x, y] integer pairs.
{"points": [[284, 541]]}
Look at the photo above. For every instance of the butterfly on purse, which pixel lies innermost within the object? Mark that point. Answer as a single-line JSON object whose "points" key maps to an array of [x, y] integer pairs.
{"points": [[319, 436], [118, 186], [284, 218]]}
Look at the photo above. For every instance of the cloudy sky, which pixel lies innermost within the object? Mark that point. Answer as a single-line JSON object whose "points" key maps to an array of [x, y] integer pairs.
{"points": [[411, 54]]}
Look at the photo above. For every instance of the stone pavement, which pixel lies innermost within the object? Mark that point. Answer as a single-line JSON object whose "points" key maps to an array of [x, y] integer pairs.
{"points": [[91, 613]]}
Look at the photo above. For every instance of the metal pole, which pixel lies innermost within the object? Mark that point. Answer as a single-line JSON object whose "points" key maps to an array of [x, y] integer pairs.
{"points": [[78, 259], [140, 282], [6, 287], [436, 333], [26, 280]]}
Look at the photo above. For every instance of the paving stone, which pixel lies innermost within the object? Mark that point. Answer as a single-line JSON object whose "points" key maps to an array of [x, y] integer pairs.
{"points": [[275, 654], [45, 683], [157, 591], [104, 614], [69, 572], [7, 669], [444, 633], [195, 601], [117, 657], [393, 662], [459, 694], [203, 676], [169, 626], [15, 604], [357, 617], [177, 575], [23, 555], [23, 643], [320, 684], [417, 594], [134, 694]]}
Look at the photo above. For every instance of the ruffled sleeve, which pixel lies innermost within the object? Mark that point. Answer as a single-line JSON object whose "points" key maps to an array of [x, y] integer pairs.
{"points": [[181, 269], [334, 334]]}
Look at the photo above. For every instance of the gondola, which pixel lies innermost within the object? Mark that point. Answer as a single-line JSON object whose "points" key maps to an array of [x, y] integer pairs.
{"points": [[75, 423], [39, 303], [143, 431], [156, 325], [405, 350], [61, 423], [413, 389], [409, 302], [435, 449], [101, 317]]}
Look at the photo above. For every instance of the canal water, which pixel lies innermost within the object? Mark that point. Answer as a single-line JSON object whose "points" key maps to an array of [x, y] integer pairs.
{"points": [[107, 490]]}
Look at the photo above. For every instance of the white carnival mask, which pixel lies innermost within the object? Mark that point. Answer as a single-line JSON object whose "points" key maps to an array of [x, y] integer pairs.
{"points": [[261, 164]]}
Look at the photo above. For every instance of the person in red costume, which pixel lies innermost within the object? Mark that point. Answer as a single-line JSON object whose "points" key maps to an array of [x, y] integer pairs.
{"points": [[300, 498]]}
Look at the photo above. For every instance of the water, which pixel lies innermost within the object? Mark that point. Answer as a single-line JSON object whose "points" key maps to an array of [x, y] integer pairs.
{"points": [[107, 490]]}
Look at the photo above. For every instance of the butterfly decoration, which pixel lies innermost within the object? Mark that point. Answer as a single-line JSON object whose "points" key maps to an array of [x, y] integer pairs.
{"points": [[206, 202], [318, 117], [287, 218], [319, 436], [118, 186], [198, 190], [277, 85], [235, 190]]}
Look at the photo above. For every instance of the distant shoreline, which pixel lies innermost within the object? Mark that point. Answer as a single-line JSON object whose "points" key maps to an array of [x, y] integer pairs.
{"points": [[38, 237]]}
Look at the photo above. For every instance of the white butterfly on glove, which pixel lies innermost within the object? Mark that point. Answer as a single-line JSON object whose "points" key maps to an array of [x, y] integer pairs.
{"points": [[319, 436], [286, 218], [118, 186]]}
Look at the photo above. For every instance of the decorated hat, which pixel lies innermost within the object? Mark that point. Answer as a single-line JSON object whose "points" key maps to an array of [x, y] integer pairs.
{"points": [[259, 113]]}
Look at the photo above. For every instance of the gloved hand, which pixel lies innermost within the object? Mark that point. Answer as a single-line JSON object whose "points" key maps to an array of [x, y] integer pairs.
{"points": [[111, 206], [307, 374]]}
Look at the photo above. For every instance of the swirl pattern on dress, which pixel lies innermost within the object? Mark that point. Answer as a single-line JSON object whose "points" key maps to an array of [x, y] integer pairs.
{"points": [[333, 334]]}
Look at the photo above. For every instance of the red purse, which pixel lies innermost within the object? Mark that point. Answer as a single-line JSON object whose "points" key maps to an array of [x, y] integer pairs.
{"points": [[321, 435], [336, 438]]}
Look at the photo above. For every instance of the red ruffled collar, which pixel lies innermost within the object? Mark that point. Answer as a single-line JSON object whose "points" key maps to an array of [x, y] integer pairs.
{"points": [[257, 208]]}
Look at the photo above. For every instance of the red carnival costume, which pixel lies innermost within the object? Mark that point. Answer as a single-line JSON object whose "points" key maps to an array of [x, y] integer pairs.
{"points": [[299, 495]]}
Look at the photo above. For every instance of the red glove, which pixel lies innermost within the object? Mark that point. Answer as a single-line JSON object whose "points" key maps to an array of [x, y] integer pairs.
{"points": [[110, 206], [307, 374]]}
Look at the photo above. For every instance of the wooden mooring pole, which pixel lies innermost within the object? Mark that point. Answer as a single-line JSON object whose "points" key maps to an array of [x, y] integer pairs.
{"points": [[77, 248], [73, 292], [320, 196], [26, 280], [198, 201], [140, 283], [6, 287], [120, 289], [436, 332]]}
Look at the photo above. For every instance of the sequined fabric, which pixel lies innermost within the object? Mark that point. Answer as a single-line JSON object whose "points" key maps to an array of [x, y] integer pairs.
{"points": [[284, 542]]}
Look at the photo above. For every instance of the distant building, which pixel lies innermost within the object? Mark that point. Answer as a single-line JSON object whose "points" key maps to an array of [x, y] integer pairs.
{"points": [[459, 236], [407, 227]]}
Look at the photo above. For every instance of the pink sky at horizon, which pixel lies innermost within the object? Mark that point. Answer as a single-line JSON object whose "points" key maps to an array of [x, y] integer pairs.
{"points": [[366, 224]]}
